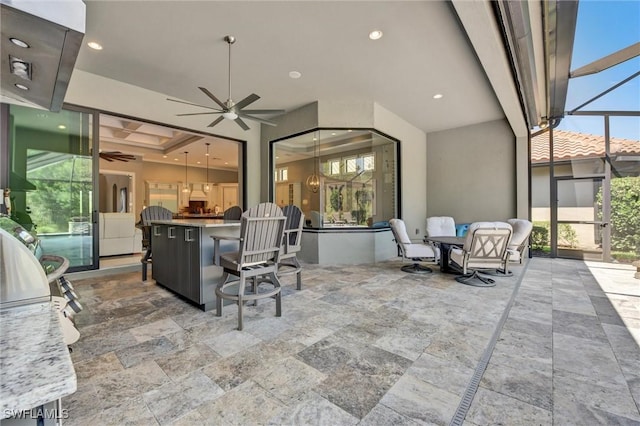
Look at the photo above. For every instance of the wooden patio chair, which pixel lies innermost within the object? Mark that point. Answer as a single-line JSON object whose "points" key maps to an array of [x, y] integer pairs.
{"points": [[148, 215], [232, 213], [291, 244], [261, 231]]}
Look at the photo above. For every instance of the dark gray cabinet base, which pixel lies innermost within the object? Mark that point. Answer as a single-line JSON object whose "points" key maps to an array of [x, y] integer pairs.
{"points": [[183, 260]]}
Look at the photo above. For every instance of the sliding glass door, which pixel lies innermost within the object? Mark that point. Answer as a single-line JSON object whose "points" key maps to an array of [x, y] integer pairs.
{"points": [[51, 179]]}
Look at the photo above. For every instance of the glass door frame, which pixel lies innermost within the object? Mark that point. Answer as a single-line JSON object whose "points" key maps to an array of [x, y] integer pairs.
{"points": [[95, 172], [93, 130], [603, 223]]}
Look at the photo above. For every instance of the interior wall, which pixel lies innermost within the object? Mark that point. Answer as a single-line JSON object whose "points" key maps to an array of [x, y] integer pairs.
{"points": [[296, 121], [106, 189], [413, 168], [165, 173], [471, 172]]}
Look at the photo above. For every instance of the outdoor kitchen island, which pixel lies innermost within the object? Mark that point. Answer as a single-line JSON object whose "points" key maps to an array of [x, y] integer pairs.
{"points": [[183, 253]]}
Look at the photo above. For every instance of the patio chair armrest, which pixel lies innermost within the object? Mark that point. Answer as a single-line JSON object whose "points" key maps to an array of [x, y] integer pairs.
{"points": [[216, 246]]}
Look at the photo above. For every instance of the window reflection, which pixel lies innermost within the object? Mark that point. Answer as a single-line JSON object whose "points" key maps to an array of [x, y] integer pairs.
{"points": [[357, 171]]}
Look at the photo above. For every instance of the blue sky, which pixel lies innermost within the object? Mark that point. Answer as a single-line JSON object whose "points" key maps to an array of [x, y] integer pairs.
{"points": [[604, 27]]}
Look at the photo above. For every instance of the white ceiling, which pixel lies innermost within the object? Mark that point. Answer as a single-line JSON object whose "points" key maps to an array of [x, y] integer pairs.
{"points": [[172, 47]]}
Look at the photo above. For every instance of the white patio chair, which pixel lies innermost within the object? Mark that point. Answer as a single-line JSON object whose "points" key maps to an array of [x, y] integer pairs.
{"points": [[440, 226], [519, 240], [484, 250], [416, 252]]}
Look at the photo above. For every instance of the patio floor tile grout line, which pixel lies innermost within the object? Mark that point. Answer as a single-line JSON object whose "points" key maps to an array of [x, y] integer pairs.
{"points": [[474, 383]]}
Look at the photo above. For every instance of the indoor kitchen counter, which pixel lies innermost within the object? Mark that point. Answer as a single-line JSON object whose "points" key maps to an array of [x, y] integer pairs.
{"points": [[183, 253], [35, 365], [201, 223]]}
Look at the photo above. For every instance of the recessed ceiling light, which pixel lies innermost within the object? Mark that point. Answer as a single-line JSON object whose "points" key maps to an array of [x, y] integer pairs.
{"points": [[226, 162], [21, 86], [18, 42], [295, 74], [175, 159], [197, 162], [375, 35], [94, 45], [349, 130], [438, 96], [61, 126], [164, 156]]}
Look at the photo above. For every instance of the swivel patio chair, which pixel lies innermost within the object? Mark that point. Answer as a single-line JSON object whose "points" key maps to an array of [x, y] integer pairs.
{"points": [[484, 251], [519, 240], [291, 244], [147, 215], [440, 226], [261, 232], [417, 252], [232, 213]]}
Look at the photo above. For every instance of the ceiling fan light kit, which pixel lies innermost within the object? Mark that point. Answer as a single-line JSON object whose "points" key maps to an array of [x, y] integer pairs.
{"points": [[229, 110]]}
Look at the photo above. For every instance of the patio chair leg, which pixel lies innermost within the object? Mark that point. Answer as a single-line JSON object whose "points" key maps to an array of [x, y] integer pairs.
{"points": [[476, 280], [241, 286], [276, 283], [416, 269]]}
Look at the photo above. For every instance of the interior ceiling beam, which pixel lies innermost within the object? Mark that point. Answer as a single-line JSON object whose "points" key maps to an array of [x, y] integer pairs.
{"points": [[181, 143], [608, 61], [128, 127]]}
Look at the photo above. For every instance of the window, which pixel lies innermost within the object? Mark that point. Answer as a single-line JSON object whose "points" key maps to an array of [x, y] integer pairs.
{"points": [[281, 174], [335, 171], [334, 167], [369, 162], [351, 165]]}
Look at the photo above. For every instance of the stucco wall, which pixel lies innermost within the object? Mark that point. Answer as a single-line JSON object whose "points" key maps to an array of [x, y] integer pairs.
{"points": [[471, 173]]}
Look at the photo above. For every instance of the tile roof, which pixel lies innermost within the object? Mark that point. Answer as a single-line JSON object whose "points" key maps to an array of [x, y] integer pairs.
{"points": [[573, 145]]}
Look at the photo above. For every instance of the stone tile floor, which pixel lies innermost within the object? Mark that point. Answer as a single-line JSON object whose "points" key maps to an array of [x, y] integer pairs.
{"points": [[367, 345]]}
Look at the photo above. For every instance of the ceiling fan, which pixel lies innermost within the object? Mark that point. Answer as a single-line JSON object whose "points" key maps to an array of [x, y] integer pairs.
{"points": [[229, 109], [112, 156]]}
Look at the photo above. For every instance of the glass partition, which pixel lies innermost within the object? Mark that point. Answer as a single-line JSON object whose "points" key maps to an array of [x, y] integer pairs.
{"points": [[51, 181], [339, 178]]}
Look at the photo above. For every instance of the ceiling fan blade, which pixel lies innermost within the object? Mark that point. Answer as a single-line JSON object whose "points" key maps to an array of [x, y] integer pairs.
{"points": [[241, 123], [189, 103], [212, 96], [264, 111], [216, 121], [258, 119], [246, 101], [200, 113]]}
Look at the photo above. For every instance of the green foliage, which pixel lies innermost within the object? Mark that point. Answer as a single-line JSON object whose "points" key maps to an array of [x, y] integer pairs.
{"points": [[540, 235], [63, 191], [335, 198], [625, 214], [364, 198], [567, 236]]}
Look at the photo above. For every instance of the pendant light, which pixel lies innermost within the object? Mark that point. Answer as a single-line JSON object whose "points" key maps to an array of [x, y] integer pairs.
{"points": [[313, 181], [207, 188], [186, 182]]}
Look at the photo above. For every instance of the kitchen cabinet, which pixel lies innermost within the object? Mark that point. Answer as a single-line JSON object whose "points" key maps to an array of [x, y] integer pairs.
{"points": [[183, 256], [163, 195]]}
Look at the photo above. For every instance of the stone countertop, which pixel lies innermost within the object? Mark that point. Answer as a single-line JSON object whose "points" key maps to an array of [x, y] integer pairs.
{"points": [[35, 364], [199, 223]]}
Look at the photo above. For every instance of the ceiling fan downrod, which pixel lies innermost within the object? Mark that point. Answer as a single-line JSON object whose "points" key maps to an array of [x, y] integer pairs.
{"points": [[230, 40]]}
